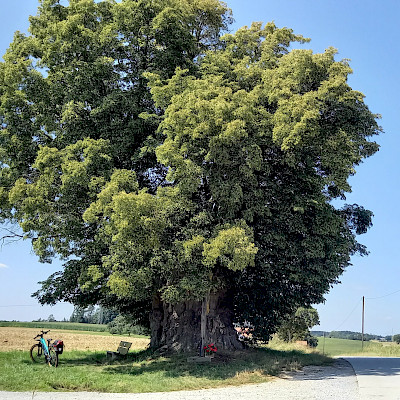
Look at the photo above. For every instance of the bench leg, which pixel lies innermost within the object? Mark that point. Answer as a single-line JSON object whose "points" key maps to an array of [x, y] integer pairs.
{"points": [[112, 355]]}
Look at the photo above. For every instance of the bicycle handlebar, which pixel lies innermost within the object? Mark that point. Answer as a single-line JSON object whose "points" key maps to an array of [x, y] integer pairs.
{"points": [[41, 334]]}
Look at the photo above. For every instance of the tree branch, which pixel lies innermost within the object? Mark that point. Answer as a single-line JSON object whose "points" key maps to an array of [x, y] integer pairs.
{"points": [[10, 237]]}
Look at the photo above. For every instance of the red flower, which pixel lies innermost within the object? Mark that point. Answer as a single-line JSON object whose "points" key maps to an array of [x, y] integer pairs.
{"points": [[210, 348]]}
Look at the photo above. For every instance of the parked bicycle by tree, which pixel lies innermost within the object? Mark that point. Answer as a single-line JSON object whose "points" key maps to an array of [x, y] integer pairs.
{"points": [[47, 352]]}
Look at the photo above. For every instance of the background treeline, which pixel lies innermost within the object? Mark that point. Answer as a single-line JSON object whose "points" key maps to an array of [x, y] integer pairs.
{"points": [[351, 335], [55, 325]]}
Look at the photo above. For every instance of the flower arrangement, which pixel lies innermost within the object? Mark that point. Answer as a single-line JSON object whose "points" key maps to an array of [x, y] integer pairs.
{"points": [[210, 349]]}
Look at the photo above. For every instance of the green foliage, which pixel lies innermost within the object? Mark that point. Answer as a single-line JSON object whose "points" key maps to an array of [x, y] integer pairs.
{"points": [[78, 315], [219, 177], [231, 248], [73, 139], [121, 325], [265, 138], [312, 341], [396, 338], [297, 326], [350, 335], [92, 315]]}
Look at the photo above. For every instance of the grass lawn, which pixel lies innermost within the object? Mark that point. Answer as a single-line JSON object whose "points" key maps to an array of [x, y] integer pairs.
{"points": [[344, 347], [143, 372], [338, 347]]}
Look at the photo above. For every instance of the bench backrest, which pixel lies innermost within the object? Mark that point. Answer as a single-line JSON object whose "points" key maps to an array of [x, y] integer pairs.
{"points": [[124, 347]]}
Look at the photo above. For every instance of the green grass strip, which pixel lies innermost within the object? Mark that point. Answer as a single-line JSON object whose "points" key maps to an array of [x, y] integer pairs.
{"points": [[344, 347], [144, 372]]}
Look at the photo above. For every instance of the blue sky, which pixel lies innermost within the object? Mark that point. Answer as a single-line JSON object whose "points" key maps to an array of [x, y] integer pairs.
{"points": [[363, 31]]}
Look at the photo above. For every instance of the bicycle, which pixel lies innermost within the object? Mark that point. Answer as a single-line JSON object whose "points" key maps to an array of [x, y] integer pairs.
{"points": [[46, 352]]}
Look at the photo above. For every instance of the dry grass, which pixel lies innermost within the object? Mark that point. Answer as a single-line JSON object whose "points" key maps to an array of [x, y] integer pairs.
{"points": [[22, 339]]}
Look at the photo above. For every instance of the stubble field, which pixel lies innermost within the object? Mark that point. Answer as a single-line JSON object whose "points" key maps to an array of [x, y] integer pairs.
{"points": [[22, 339]]}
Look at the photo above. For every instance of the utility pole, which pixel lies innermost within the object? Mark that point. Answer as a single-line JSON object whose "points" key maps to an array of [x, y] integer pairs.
{"points": [[362, 332]]}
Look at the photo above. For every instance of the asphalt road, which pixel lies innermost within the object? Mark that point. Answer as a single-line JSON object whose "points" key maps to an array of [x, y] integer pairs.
{"points": [[377, 377]]}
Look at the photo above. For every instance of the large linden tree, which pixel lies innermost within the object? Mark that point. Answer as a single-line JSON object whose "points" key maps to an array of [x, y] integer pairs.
{"points": [[184, 178]]}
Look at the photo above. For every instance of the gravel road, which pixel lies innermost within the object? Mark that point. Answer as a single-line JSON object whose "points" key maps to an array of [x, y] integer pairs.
{"points": [[337, 381]]}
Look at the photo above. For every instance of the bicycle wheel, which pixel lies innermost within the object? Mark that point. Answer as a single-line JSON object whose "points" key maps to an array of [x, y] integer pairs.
{"points": [[37, 353], [52, 357]]}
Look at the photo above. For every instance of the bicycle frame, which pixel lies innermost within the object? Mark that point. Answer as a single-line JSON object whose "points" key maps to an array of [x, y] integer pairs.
{"points": [[44, 346]]}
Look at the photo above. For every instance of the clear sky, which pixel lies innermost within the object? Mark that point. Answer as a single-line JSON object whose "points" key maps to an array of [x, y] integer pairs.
{"points": [[364, 31]]}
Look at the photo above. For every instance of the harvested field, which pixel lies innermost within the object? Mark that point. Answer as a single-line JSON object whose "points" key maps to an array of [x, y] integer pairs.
{"points": [[22, 339]]}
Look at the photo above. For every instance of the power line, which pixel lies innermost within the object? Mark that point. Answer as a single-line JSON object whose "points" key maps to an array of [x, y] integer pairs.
{"points": [[381, 297], [352, 311], [22, 305]]}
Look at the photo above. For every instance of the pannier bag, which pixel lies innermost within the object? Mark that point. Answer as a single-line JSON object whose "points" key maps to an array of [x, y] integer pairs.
{"points": [[58, 346]]}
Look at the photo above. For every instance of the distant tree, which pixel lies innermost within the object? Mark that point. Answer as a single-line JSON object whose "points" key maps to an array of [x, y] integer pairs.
{"points": [[51, 318], [89, 315], [297, 326], [350, 335], [78, 315], [319, 333], [104, 315], [118, 326], [396, 338], [93, 315], [123, 325]]}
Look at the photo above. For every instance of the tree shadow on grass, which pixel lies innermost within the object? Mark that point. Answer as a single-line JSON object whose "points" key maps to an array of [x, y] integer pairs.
{"points": [[224, 366], [101, 359]]}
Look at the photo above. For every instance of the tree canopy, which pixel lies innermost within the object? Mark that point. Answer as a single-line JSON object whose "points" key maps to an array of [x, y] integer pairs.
{"points": [[297, 326], [218, 181]]}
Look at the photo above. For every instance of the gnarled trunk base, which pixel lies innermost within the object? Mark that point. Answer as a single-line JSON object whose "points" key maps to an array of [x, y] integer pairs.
{"points": [[178, 327]]}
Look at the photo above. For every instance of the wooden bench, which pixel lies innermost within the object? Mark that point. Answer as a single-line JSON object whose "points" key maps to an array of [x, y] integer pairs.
{"points": [[122, 350]]}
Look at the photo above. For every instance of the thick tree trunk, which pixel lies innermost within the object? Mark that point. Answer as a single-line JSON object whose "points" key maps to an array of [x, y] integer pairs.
{"points": [[178, 327]]}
